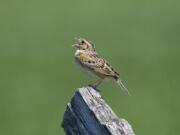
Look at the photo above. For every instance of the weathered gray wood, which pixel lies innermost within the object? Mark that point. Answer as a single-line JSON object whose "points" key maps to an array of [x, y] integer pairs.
{"points": [[88, 114]]}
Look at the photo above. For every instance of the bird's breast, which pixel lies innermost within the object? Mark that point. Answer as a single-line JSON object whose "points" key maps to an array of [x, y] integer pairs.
{"points": [[79, 55]]}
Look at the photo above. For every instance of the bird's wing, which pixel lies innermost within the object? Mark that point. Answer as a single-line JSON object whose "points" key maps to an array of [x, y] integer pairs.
{"points": [[98, 64]]}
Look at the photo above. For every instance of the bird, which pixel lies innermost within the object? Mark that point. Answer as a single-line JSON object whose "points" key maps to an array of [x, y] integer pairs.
{"points": [[93, 64]]}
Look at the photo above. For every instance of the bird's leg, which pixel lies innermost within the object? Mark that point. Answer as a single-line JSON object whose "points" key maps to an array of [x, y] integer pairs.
{"points": [[96, 84]]}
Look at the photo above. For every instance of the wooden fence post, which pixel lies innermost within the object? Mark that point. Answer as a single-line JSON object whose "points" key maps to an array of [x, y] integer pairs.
{"points": [[88, 114]]}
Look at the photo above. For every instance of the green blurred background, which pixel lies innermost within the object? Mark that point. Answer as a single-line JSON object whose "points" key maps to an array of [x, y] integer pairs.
{"points": [[38, 75]]}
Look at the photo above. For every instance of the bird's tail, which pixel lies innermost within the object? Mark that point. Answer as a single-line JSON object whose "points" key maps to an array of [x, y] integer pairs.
{"points": [[121, 85]]}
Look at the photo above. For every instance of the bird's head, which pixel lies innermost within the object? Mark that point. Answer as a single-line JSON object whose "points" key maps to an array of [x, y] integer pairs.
{"points": [[83, 44]]}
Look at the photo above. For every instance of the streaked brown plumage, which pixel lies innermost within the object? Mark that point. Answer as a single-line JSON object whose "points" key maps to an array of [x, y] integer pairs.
{"points": [[90, 61]]}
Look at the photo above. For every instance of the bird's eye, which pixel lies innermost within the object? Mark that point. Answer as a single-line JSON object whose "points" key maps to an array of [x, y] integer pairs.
{"points": [[82, 42]]}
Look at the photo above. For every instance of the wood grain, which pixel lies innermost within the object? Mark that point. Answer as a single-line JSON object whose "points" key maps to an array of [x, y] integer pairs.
{"points": [[88, 114]]}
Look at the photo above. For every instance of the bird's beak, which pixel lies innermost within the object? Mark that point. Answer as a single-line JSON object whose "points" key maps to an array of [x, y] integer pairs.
{"points": [[75, 45]]}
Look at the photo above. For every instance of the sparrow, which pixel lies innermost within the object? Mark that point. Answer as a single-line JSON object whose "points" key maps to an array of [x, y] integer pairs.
{"points": [[91, 63]]}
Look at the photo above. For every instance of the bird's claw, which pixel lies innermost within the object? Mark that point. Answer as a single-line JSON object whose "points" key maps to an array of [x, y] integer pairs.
{"points": [[94, 87]]}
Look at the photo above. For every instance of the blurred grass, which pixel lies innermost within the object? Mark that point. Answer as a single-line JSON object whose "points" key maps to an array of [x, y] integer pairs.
{"points": [[38, 75]]}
